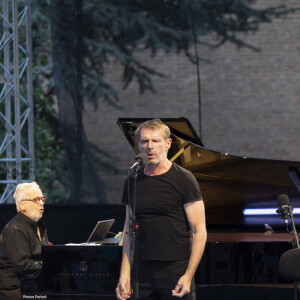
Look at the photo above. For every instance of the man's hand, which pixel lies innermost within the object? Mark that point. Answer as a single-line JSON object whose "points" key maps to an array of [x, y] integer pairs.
{"points": [[123, 290], [183, 286]]}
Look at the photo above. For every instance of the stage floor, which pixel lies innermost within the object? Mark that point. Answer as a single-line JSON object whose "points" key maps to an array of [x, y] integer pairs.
{"points": [[249, 237], [246, 292]]}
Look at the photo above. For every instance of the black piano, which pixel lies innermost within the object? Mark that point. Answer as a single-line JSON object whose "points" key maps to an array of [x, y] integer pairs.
{"points": [[239, 251], [229, 184], [75, 272]]}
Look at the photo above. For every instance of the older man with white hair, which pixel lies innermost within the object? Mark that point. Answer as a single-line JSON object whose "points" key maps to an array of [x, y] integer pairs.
{"points": [[21, 241]]}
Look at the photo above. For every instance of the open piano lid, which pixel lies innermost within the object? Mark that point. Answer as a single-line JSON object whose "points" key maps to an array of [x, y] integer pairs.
{"points": [[228, 183]]}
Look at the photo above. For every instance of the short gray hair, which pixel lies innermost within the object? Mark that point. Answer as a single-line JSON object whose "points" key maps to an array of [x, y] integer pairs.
{"points": [[153, 124]]}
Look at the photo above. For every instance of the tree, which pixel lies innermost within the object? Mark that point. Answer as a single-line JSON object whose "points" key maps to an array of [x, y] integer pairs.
{"points": [[89, 34], [50, 158]]}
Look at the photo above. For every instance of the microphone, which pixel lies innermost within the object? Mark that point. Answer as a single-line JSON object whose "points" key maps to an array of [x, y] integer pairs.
{"points": [[284, 209], [283, 200], [140, 160]]}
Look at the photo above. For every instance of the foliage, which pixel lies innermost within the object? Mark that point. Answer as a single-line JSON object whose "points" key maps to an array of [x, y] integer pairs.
{"points": [[52, 165], [49, 154], [50, 160], [115, 31]]}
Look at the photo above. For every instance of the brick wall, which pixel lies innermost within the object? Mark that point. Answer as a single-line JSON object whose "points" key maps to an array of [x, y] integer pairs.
{"points": [[250, 100]]}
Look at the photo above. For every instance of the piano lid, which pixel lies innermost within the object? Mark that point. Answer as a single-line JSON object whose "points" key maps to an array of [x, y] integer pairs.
{"points": [[228, 183]]}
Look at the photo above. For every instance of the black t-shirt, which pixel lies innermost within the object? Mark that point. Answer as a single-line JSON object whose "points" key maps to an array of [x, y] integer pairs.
{"points": [[164, 232]]}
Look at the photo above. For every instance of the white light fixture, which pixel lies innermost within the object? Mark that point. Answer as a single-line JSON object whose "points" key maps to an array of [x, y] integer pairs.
{"points": [[265, 211]]}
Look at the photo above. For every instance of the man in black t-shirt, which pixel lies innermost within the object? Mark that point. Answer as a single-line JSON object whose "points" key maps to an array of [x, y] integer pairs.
{"points": [[168, 205]]}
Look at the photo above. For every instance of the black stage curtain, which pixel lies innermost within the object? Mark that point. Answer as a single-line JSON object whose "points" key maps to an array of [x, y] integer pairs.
{"points": [[72, 223]]}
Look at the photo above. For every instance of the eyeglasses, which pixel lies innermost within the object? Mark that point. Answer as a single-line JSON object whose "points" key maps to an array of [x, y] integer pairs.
{"points": [[37, 200]]}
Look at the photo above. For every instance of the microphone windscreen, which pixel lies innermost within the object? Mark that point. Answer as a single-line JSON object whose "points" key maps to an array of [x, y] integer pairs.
{"points": [[143, 157], [283, 199]]}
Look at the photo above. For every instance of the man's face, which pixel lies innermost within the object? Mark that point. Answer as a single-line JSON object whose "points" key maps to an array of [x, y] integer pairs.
{"points": [[33, 210], [153, 142]]}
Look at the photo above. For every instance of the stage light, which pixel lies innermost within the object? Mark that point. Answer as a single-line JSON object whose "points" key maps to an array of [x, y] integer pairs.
{"points": [[265, 211]]}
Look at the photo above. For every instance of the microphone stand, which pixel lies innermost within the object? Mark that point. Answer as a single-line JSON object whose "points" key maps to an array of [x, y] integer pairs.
{"points": [[296, 240], [285, 213], [296, 245], [133, 233]]}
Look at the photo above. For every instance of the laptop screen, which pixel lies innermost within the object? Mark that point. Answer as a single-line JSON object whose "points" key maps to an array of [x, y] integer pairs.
{"points": [[100, 231]]}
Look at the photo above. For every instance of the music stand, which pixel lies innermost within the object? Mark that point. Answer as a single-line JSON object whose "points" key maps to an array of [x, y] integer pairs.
{"points": [[289, 267]]}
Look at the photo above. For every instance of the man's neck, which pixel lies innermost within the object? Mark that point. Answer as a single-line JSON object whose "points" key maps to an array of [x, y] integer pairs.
{"points": [[24, 213], [161, 168]]}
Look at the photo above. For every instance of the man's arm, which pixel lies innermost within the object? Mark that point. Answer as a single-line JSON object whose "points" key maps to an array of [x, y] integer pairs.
{"points": [[196, 217], [123, 289]]}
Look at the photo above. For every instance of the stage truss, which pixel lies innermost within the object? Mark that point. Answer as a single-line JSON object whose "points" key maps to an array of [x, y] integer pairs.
{"points": [[16, 103]]}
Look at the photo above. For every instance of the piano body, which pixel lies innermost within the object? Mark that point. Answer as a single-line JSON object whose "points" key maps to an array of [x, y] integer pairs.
{"points": [[76, 272], [237, 252], [229, 184]]}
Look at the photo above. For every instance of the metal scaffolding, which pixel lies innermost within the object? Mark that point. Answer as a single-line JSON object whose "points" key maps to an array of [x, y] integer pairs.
{"points": [[16, 103]]}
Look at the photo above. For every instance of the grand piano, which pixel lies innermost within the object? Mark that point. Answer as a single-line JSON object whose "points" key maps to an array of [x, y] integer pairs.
{"points": [[239, 249], [229, 183]]}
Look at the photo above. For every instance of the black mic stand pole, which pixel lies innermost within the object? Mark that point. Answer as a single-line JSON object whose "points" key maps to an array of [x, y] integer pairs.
{"points": [[296, 245], [133, 235], [287, 212]]}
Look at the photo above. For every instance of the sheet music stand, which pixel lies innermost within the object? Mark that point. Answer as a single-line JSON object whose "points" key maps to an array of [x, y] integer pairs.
{"points": [[289, 267]]}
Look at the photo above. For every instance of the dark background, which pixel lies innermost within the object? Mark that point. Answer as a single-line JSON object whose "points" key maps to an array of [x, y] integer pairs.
{"points": [[72, 223]]}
